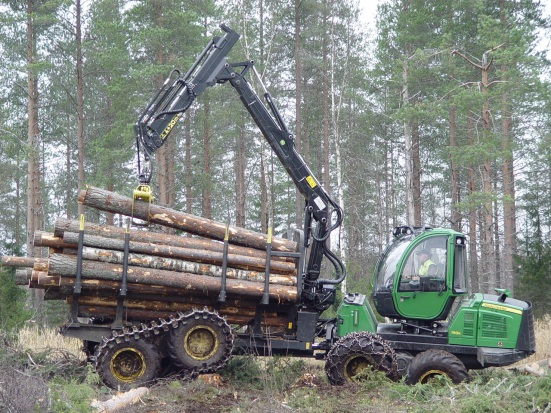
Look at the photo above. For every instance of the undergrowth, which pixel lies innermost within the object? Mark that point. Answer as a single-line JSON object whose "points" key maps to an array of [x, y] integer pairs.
{"points": [[47, 377]]}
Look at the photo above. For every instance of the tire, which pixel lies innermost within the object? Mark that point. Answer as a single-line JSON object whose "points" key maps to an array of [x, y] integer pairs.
{"points": [[355, 352], [202, 342], [433, 363], [89, 348], [403, 360], [128, 364]]}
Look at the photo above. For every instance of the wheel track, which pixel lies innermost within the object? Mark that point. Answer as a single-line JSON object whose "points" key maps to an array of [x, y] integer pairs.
{"points": [[159, 327]]}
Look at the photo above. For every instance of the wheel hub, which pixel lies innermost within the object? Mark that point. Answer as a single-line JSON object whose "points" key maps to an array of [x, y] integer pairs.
{"points": [[430, 374], [355, 365], [200, 342], [127, 364]]}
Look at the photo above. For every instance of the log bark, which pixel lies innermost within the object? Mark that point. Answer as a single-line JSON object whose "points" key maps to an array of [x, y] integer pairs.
{"points": [[160, 306], [141, 315], [171, 264], [23, 276], [188, 254], [41, 279], [54, 294], [112, 202], [144, 292], [63, 225], [29, 262], [64, 265], [120, 401], [47, 239]]}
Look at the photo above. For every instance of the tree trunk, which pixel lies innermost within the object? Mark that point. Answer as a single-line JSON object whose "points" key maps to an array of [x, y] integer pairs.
{"points": [[454, 173], [64, 265], [509, 206], [187, 161], [263, 193], [178, 253], [109, 201], [473, 245], [63, 225], [240, 174], [29, 262], [408, 146], [488, 271], [299, 200], [206, 204], [416, 174], [80, 100], [33, 147]]}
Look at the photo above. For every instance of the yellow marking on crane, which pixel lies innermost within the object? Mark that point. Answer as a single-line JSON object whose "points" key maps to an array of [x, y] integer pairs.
{"points": [[311, 181]]}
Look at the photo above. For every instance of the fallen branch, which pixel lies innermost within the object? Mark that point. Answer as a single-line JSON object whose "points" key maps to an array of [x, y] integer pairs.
{"points": [[121, 400]]}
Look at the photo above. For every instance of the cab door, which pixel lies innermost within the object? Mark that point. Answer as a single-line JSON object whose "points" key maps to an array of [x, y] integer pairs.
{"points": [[422, 291]]}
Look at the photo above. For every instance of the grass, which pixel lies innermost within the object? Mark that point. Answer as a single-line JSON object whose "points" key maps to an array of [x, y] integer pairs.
{"points": [[39, 340], [542, 328], [46, 372]]}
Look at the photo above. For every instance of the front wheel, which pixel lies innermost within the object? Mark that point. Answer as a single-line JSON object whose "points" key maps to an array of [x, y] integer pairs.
{"points": [[356, 352], [432, 363]]}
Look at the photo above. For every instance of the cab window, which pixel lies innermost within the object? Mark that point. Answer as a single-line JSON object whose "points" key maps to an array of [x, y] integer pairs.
{"points": [[425, 267]]}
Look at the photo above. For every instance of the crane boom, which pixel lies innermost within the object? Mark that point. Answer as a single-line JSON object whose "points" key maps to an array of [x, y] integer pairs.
{"points": [[176, 96]]}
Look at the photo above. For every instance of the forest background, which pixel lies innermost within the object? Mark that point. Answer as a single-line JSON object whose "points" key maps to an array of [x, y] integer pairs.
{"points": [[439, 114]]}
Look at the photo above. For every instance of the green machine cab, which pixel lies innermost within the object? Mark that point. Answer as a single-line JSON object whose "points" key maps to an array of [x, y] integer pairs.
{"points": [[420, 287]]}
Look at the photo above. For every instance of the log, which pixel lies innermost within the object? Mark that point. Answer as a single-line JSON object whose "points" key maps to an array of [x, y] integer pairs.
{"points": [[63, 225], [65, 265], [144, 292], [112, 202], [41, 265], [29, 262], [47, 239], [54, 294], [43, 280], [120, 401], [23, 276], [188, 254], [147, 315], [163, 306], [161, 263]]}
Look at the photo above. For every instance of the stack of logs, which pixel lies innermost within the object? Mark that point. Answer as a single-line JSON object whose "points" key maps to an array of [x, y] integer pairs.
{"points": [[165, 273]]}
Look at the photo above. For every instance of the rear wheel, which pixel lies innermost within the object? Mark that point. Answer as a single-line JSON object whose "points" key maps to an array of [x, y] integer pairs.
{"points": [[432, 363], [202, 342], [128, 364], [357, 352]]}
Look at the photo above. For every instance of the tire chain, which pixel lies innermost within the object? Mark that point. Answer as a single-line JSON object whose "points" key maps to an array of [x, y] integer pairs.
{"points": [[228, 339], [151, 329], [351, 343]]}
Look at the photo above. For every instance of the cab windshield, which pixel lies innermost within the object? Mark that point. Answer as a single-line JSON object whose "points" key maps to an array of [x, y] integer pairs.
{"points": [[386, 267]]}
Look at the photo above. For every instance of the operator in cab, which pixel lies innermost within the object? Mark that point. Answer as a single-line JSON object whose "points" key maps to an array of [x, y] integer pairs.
{"points": [[426, 266]]}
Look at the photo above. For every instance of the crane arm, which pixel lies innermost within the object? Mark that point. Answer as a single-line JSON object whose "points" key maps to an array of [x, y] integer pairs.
{"points": [[176, 96]]}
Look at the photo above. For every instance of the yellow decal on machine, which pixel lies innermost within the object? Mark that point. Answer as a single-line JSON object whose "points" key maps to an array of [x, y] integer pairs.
{"points": [[311, 181], [455, 333], [501, 308], [170, 125]]}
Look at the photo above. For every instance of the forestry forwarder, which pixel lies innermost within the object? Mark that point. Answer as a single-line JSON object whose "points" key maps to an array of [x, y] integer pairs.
{"points": [[436, 329]]}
